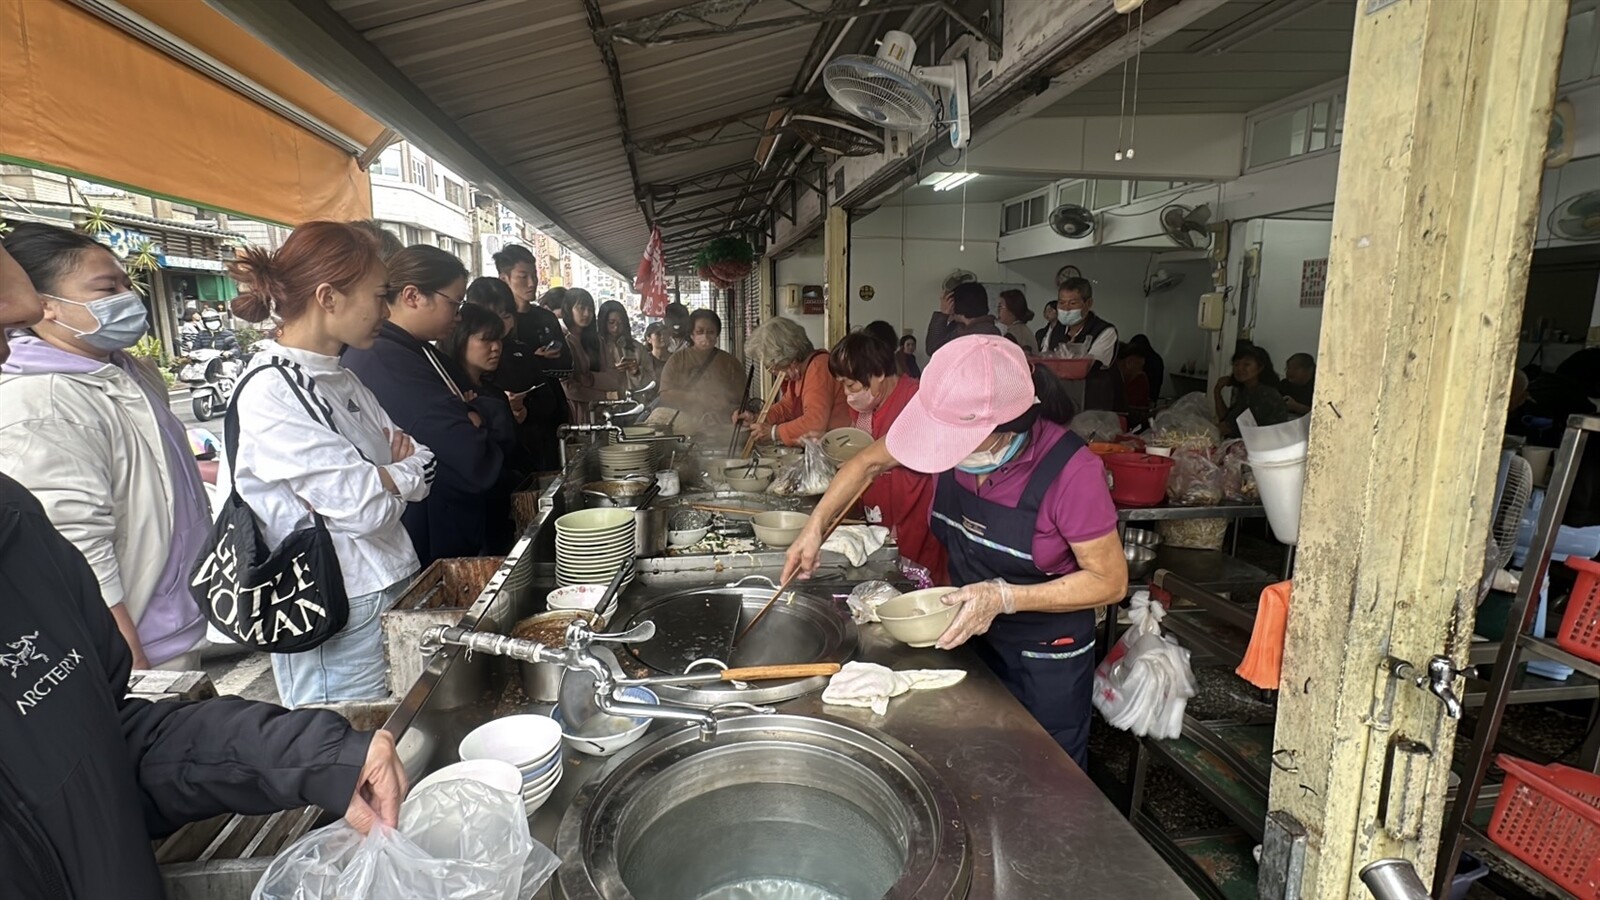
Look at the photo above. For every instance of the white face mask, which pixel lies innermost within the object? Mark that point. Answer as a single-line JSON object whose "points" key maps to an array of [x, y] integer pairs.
{"points": [[1071, 317], [120, 320], [983, 462]]}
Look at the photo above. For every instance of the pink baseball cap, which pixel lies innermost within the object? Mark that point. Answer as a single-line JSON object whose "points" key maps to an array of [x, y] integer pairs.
{"points": [[970, 386]]}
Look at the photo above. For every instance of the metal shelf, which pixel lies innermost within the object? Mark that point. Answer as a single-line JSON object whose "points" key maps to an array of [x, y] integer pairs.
{"points": [[1478, 842], [1546, 648]]}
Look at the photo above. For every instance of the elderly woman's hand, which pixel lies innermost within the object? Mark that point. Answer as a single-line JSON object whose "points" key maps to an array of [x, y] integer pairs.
{"points": [[979, 603]]}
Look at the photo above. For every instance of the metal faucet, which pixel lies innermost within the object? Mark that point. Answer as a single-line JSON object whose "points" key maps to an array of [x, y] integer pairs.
{"points": [[1439, 680], [576, 656], [563, 430]]}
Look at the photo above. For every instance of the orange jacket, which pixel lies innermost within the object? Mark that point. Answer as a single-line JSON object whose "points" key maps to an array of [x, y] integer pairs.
{"points": [[813, 403]]}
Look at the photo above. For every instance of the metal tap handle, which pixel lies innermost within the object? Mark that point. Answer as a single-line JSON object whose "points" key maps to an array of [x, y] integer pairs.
{"points": [[492, 644], [770, 583], [1440, 681]]}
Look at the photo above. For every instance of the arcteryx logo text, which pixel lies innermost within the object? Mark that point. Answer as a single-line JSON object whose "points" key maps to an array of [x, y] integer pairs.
{"points": [[47, 682]]}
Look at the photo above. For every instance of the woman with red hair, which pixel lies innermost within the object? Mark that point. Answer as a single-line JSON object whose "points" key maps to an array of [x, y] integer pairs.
{"points": [[316, 442]]}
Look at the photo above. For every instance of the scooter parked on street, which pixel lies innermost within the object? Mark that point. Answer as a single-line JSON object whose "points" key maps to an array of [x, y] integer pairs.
{"points": [[211, 376]]}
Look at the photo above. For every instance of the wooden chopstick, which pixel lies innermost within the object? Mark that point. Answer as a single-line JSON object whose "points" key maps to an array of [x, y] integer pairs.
{"points": [[755, 427], [790, 580]]}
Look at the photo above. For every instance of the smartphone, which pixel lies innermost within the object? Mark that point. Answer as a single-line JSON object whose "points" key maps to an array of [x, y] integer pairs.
{"points": [[553, 345]]}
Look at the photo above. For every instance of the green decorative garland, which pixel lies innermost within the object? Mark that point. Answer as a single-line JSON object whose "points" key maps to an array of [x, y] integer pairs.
{"points": [[725, 261]]}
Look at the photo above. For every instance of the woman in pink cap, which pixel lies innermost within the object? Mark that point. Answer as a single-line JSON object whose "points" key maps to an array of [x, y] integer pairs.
{"points": [[1021, 505]]}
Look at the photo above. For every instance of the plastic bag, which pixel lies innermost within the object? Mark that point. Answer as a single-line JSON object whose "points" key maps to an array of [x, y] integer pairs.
{"points": [[808, 475], [1096, 425], [864, 600], [457, 840], [1195, 479], [1238, 484], [1145, 682], [1187, 424]]}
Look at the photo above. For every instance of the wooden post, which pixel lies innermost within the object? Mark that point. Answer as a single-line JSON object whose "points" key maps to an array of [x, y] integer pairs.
{"points": [[766, 309], [1448, 105], [836, 270]]}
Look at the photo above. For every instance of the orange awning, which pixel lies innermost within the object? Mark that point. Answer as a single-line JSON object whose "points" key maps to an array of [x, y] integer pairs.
{"points": [[79, 95]]}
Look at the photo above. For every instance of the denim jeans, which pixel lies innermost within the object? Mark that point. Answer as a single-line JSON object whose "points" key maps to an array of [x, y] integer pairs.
{"points": [[349, 665]]}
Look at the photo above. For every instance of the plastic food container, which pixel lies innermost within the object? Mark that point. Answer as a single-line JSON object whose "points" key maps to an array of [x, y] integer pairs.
{"points": [[1137, 479]]}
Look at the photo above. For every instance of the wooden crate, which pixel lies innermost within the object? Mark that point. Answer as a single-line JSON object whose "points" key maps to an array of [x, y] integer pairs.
{"points": [[439, 596]]}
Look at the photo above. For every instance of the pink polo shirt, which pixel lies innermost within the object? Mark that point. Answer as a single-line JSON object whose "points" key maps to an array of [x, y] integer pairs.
{"points": [[1076, 508]]}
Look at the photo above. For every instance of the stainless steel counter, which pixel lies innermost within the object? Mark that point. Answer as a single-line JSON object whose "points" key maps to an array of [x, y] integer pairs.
{"points": [[1038, 827]]}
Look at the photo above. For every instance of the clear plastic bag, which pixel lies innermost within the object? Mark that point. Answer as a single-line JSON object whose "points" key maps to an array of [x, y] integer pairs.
{"points": [[864, 600], [1195, 480], [457, 840], [808, 475], [1238, 484], [1097, 425], [1145, 682], [1187, 424]]}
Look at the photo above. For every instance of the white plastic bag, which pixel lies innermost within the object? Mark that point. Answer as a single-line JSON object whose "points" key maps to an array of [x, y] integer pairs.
{"points": [[865, 599], [457, 840], [1145, 682], [1096, 425], [808, 476]]}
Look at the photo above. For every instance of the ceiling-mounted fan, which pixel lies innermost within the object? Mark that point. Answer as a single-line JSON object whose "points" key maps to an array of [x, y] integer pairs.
{"points": [[888, 91], [1072, 221], [1187, 227]]}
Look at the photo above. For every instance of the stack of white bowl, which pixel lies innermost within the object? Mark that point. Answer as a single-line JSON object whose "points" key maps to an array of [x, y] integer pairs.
{"points": [[622, 460], [586, 597], [592, 544], [529, 742]]}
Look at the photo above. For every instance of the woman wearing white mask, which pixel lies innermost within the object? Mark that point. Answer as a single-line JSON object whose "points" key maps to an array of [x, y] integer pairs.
{"points": [[87, 428], [1021, 505]]}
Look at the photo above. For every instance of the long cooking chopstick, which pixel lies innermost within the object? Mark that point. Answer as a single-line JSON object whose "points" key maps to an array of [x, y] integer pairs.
{"points": [[755, 427], [790, 580]]}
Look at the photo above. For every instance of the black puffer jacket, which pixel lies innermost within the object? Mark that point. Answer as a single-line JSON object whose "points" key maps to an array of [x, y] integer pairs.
{"points": [[87, 776]]}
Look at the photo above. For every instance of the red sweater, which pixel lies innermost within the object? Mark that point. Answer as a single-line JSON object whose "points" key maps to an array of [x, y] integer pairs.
{"points": [[903, 495], [812, 403]]}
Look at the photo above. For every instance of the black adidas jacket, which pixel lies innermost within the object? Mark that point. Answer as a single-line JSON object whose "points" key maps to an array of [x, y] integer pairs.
{"points": [[87, 776]]}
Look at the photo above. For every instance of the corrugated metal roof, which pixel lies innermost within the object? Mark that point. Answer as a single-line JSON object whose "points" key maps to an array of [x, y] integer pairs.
{"points": [[528, 84]]}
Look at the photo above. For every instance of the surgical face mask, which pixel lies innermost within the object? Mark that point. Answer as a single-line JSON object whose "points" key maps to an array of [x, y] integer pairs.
{"points": [[985, 461], [213, 324], [1071, 317], [121, 320], [862, 401]]}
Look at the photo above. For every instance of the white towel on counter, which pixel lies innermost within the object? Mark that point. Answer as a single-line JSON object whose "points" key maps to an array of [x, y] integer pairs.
{"points": [[857, 542], [871, 685]]}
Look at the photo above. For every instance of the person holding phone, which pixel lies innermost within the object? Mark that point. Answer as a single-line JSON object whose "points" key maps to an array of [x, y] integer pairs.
{"points": [[475, 347]]}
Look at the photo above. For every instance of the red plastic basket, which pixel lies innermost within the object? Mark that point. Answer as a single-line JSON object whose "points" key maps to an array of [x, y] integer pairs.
{"points": [[1580, 626], [1069, 369], [1549, 817], [1137, 479]]}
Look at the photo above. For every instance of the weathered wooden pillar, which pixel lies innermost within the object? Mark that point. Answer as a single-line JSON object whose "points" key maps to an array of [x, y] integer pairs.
{"points": [[1444, 132], [836, 269]]}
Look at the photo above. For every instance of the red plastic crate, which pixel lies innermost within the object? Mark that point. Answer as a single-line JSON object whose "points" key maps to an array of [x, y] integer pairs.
{"points": [[1549, 817], [1580, 625]]}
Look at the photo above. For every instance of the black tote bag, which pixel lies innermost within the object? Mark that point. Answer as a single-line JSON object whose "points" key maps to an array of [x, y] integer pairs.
{"points": [[287, 600]]}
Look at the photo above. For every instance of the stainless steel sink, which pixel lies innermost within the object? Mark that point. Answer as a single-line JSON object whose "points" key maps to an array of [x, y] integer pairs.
{"points": [[773, 808]]}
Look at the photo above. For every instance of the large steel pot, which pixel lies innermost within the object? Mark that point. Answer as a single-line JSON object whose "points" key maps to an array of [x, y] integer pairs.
{"points": [[608, 494], [541, 681], [772, 807]]}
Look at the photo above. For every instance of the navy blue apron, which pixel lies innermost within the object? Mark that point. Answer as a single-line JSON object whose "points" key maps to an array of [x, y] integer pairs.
{"points": [[1045, 659]]}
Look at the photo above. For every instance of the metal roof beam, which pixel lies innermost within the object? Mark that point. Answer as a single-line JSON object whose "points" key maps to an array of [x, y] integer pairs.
{"points": [[608, 54], [730, 129], [716, 18]]}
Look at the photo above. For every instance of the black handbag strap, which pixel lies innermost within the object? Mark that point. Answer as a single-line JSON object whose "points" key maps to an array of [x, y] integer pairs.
{"points": [[230, 420]]}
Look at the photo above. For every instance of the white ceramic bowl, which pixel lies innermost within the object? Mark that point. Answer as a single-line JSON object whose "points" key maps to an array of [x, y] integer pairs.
{"points": [[918, 618], [841, 444], [520, 740], [610, 744], [687, 538], [754, 484], [779, 528], [498, 774], [577, 596], [587, 522]]}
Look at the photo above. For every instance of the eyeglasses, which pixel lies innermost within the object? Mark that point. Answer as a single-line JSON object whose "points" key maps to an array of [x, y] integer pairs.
{"points": [[451, 300]]}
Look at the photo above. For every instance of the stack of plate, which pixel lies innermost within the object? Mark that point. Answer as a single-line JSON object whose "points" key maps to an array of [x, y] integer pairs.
{"points": [[621, 460], [592, 544], [529, 742]]}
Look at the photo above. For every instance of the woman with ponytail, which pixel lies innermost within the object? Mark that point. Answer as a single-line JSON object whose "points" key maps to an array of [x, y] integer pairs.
{"points": [[316, 442]]}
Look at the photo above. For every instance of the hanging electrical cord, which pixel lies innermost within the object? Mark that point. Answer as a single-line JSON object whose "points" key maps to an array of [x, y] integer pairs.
{"points": [[1122, 113], [1138, 57]]}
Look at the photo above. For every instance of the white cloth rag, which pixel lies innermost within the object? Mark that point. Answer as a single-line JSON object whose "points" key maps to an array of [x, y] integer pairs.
{"points": [[871, 685], [857, 542]]}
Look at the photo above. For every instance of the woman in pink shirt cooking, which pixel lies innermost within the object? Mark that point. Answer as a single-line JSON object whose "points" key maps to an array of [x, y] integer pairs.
{"points": [[1021, 505]]}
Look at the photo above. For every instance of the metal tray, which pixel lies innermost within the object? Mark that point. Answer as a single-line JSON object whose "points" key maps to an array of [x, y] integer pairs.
{"points": [[702, 623]]}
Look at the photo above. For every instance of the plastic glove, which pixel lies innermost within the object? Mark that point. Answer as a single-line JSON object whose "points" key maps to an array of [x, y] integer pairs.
{"points": [[979, 603]]}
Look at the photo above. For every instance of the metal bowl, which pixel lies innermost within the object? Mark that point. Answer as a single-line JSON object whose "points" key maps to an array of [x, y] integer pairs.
{"points": [[1141, 537], [1140, 560]]}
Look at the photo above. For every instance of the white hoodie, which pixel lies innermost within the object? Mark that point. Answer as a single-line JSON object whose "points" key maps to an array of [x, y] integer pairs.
{"points": [[288, 458]]}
